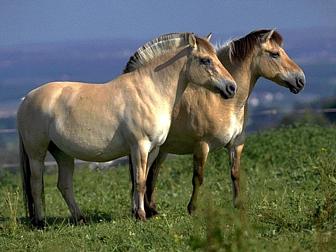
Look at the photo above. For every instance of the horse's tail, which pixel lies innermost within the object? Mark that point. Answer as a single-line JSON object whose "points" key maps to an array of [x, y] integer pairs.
{"points": [[26, 186]]}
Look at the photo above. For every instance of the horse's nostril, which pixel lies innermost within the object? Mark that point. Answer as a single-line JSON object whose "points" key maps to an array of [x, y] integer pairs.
{"points": [[231, 87], [300, 82]]}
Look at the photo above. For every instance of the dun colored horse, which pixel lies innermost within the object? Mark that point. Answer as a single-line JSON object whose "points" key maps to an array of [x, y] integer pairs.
{"points": [[129, 115], [202, 122]]}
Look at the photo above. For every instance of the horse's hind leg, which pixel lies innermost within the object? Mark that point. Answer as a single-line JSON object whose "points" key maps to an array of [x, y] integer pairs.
{"points": [[150, 204], [33, 149], [65, 181], [200, 157], [36, 182]]}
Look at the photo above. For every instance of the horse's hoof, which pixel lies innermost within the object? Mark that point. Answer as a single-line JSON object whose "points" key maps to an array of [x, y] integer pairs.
{"points": [[81, 221], [238, 204], [191, 208], [151, 212], [140, 215], [39, 224]]}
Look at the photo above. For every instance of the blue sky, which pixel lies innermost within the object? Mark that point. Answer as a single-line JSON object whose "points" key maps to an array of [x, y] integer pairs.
{"points": [[61, 20]]}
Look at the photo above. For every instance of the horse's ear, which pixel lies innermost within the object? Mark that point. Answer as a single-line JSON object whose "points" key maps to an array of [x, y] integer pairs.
{"points": [[192, 41], [267, 36], [208, 37]]}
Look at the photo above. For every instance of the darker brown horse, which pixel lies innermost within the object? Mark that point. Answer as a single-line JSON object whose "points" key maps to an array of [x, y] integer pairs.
{"points": [[203, 122]]}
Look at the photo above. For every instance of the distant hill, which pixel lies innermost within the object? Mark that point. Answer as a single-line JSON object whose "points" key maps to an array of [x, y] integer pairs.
{"points": [[25, 67]]}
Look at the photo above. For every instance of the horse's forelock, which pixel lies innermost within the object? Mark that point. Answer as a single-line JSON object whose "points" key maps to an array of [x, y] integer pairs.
{"points": [[203, 43]]}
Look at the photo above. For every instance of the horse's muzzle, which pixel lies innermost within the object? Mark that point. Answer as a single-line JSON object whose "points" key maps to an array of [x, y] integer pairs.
{"points": [[296, 83], [227, 89]]}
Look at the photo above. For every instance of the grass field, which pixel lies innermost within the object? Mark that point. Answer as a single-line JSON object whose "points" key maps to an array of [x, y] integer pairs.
{"points": [[289, 194]]}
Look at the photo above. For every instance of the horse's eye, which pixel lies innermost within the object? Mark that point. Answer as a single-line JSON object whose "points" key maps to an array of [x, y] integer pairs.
{"points": [[205, 61], [274, 54]]}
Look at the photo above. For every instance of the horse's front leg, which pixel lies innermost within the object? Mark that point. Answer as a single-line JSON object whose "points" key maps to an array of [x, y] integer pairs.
{"points": [[200, 157], [150, 204], [140, 157], [235, 155]]}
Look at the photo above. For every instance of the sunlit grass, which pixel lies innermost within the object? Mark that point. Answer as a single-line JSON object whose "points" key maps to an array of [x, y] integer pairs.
{"points": [[289, 196]]}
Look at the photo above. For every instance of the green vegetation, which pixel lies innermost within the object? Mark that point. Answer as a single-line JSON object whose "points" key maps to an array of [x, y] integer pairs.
{"points": [[289, 194]]}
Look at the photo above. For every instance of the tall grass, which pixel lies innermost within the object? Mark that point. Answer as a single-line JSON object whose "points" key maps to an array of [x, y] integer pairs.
{"points": [[11, 204]]}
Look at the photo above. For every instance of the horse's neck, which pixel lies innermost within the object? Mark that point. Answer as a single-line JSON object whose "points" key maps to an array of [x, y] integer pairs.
{"points": [[169, 79], [243, 74]]}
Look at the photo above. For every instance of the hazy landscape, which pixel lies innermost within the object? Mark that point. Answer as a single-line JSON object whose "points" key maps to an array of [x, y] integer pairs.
{"points": [[24, 67]]}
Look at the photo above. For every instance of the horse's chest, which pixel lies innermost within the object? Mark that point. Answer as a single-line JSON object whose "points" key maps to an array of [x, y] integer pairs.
{"points": [[226, 132], [159, 130], [235, 128]]}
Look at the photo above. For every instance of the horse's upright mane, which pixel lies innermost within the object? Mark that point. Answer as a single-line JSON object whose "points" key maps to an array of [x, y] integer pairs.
{"points": [[240, 48], [155, 48]]}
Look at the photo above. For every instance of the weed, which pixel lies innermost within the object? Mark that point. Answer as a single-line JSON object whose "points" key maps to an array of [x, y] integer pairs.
{"points": [[11, 210]]}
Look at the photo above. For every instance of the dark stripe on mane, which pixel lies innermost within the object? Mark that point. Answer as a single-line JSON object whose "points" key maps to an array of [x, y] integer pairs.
{"points": [[241, 48], [155, 48]]}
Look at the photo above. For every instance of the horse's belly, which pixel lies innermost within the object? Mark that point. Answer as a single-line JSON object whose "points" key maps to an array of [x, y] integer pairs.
{"points": [[91, 143], [178, 146], [90, 146], [91, 152]]}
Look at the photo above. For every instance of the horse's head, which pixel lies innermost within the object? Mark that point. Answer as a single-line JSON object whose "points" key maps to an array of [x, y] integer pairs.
{"points": [[205, 69], [273, 63]]}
